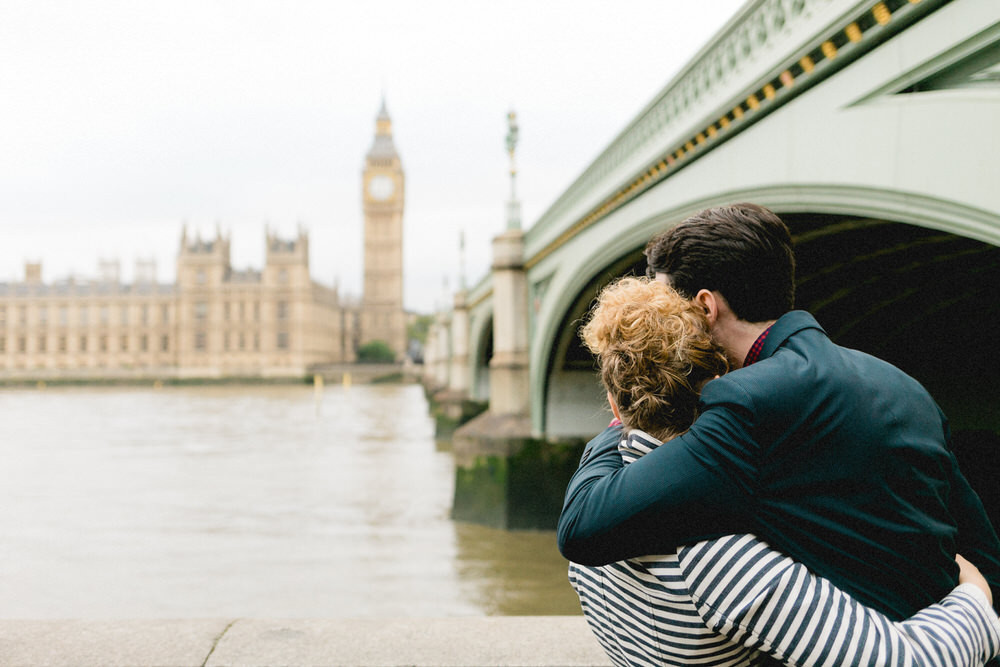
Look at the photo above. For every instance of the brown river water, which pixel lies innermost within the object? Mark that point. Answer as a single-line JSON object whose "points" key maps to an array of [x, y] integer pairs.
{"points": [[248, 501]]}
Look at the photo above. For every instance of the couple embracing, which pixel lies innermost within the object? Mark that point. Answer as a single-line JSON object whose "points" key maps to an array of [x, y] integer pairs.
{"points": [[765, 496]]}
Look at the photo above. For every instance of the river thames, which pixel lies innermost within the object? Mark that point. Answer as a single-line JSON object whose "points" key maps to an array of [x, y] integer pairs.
{"points": [[248, 501]]}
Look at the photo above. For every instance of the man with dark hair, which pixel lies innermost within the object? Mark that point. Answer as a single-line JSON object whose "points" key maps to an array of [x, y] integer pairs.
{"points": [[742, 251], [836, 458]]}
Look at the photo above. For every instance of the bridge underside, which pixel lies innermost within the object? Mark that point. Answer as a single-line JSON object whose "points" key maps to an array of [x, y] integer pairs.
{"points": [[922, 299]]}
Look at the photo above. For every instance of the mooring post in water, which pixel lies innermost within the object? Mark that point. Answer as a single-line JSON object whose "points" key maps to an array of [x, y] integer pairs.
{"points": [[318, 391]]}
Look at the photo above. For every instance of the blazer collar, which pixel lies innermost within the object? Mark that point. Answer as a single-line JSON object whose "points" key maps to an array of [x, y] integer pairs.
{"points": [[785, 327]]}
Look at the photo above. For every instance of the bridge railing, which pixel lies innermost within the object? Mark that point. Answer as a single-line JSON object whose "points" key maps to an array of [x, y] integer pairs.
{"points": [[737, 70]]}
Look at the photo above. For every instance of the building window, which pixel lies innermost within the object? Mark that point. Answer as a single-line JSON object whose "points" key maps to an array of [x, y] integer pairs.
{"points": [[164, 313], [63, 316], [3, 344], [62, 343], [43, 315], [104, 344], [83, 343], [225, 343], [41, 343], [145, 313], [124, 314], [200, 310], [256, 311], [22, 344], [282, 310], [242, 310], [256, 341], [83, 315], [225, 311], [22, 314], [165, 343], [3, 315], [144, 343], [282, 340], [105, 314], [199, 340], [283, 276], [200, 277], [124, 344]]}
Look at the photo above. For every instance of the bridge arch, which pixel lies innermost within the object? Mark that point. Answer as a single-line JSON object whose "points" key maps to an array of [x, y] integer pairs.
{"points": [[818, 216], [480, 353], [570, 394]]}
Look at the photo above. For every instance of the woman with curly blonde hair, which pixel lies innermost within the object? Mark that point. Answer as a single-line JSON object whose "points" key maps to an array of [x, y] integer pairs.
{"points": [[655, 354], [731, 600]]}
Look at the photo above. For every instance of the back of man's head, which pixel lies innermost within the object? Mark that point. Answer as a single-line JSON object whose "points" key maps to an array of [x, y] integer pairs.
{"points": [[742, 251]]}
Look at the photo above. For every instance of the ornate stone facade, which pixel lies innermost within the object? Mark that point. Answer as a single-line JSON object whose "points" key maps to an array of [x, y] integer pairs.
{"points": [[213, 321]]}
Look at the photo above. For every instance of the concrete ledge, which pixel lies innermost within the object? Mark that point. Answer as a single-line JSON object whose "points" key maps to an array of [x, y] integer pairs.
{"points": [[96, 643], [526, 641]]}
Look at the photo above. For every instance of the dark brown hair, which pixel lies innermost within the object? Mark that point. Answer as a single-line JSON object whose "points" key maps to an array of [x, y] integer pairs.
{"points": [[742, 251]]}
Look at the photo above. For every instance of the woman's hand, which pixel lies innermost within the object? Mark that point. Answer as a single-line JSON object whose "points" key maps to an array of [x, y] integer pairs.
{"points": [[969, 574]]}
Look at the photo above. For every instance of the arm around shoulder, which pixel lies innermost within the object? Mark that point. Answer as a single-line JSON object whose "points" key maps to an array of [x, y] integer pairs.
{"points": [[764, 600], [669, 497]]}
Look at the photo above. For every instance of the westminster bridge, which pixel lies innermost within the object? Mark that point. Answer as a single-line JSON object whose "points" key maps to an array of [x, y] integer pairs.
{"points": [[872, 128]]}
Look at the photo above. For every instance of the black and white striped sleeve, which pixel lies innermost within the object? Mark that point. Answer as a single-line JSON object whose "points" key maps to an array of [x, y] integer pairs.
{"points": [[763, 599]]}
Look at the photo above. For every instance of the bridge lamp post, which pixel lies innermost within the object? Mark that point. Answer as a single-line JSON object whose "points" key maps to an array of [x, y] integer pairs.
{"points": [[509, 394], [513, 206]]}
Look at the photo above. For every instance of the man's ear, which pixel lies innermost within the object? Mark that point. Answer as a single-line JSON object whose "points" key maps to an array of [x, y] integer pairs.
{"points": [[709, 303], [614, 407]]}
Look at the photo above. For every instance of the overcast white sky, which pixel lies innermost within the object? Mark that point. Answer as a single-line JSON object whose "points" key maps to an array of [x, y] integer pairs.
{"points": [[122, 120]]}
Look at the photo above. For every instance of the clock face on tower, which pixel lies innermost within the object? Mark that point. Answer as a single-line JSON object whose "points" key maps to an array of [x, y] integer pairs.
{"points": [[381, 187]]}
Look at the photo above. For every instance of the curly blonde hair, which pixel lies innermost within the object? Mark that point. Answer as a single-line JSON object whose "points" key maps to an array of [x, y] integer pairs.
{"points": [[655, 353]]}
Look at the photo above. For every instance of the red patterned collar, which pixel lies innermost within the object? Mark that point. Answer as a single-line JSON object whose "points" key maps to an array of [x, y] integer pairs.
{"points": [[754, 354]]}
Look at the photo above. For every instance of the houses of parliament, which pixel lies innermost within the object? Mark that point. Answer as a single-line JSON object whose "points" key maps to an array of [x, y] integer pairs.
{"points": [[214, 321]]}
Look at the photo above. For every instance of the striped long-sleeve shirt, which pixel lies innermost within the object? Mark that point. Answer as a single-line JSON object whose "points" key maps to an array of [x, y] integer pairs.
{"points": [[736, 601]]}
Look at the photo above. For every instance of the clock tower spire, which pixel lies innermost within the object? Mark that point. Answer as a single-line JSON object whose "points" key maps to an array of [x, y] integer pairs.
{"points": [[382, 316]]}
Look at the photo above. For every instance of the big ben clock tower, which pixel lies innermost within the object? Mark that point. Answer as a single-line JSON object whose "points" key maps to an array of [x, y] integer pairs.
{"points": [[382, 315]]}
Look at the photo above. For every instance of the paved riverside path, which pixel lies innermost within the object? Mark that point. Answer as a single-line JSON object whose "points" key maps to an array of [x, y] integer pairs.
{"points": [[524, 641]]}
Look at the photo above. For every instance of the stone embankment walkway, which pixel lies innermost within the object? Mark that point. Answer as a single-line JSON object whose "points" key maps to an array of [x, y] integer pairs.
{"points": [[524, 641]]}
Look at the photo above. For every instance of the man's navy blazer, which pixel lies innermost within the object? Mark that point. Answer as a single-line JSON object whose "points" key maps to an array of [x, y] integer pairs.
{"points": [[834, 457]]}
